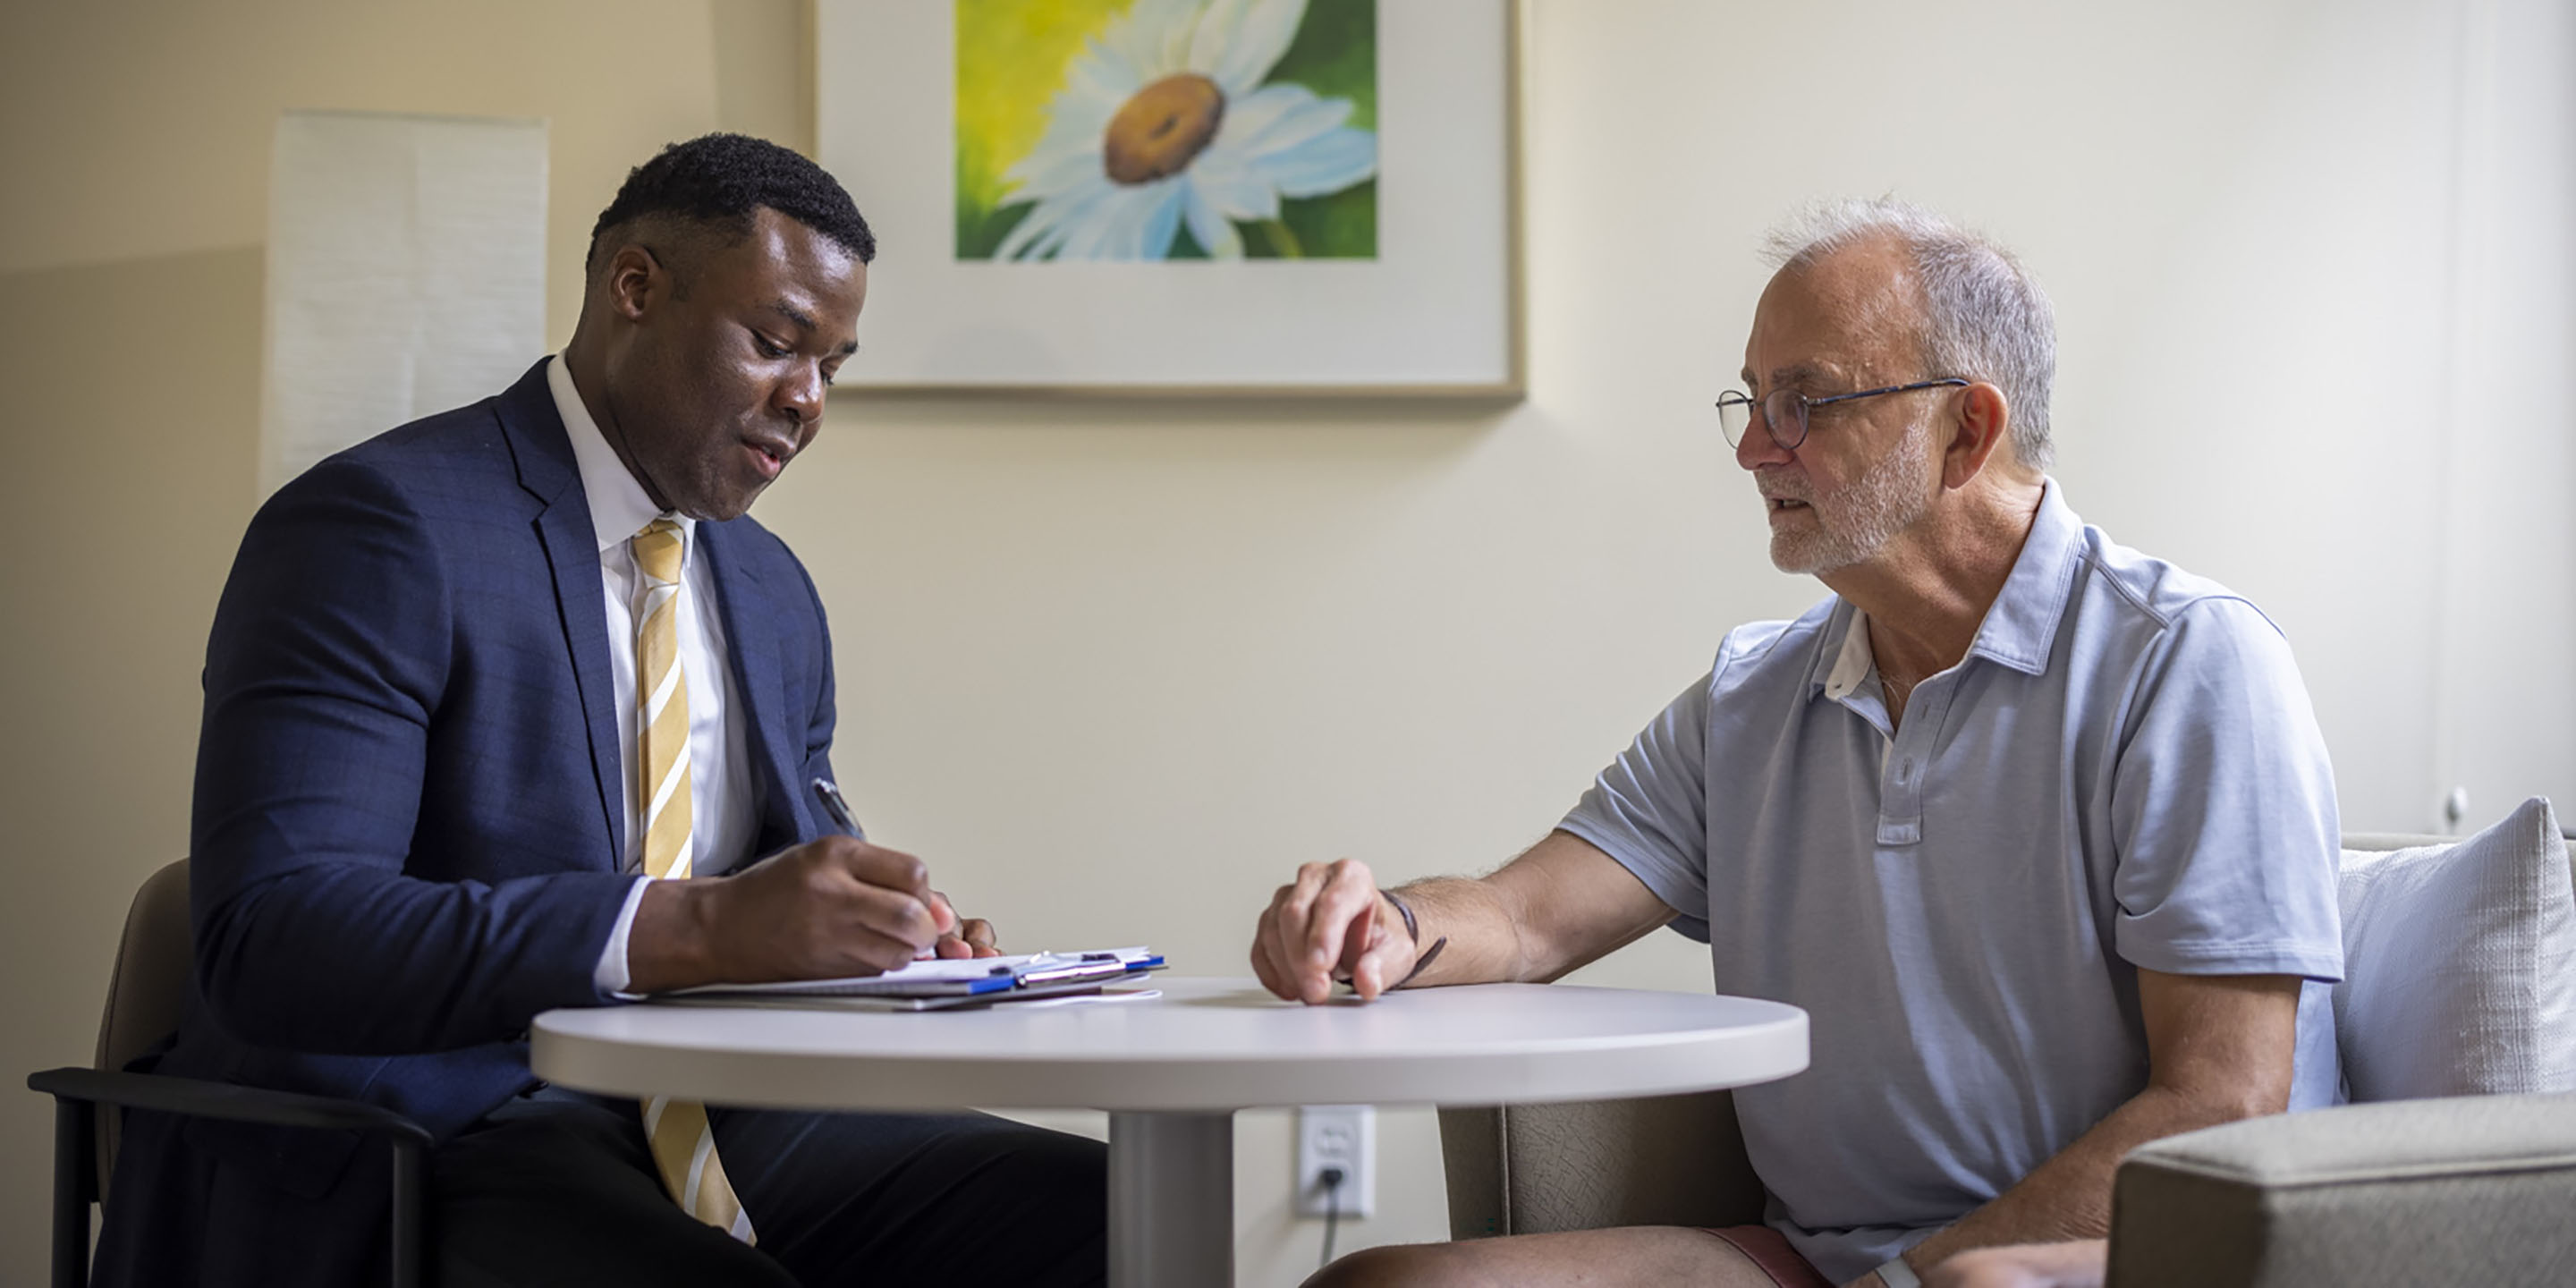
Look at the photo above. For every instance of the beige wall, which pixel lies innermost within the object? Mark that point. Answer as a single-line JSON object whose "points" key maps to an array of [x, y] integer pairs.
{"points": [[1116, 667]]}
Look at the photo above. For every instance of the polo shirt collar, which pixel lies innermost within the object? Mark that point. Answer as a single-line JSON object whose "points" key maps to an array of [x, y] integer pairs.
{"points": [[1845, 665], [2020, 627], [619, 506]]}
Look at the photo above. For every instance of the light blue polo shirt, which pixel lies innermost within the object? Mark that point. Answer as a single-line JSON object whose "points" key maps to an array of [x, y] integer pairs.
{"points": [[2123, 772]]}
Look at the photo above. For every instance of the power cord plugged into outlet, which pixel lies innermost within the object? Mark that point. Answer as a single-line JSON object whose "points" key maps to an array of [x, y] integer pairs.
{"points": [[1331, 1179], [1336, 1165]]}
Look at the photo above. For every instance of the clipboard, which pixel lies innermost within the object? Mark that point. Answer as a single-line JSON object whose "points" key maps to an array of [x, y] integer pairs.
{"points": [[943, 984], [1065, 991]]}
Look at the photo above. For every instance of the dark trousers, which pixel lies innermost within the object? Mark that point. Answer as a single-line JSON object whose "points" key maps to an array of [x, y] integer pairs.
{"points": [[557, 1187]]}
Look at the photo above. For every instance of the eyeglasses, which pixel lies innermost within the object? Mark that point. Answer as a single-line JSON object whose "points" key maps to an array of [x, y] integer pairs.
{"points": [[1785, 410]]}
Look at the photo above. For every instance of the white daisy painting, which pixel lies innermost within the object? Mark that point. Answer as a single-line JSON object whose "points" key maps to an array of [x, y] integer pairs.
{"points": [[1166, 129]]}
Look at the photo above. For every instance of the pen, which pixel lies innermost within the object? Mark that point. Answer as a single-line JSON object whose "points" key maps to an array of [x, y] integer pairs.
{"points": [[836, 807], [830, 794]]}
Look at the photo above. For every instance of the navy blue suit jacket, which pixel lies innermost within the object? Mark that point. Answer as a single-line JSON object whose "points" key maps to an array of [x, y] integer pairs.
{"points": [[409, 820]]}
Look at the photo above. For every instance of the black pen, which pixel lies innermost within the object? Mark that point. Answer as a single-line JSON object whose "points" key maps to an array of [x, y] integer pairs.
{"points": [[836, 807], [839, 809]]}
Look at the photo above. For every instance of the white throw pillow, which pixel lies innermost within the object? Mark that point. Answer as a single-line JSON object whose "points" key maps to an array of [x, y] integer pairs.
{"points": [[2460, 965]]}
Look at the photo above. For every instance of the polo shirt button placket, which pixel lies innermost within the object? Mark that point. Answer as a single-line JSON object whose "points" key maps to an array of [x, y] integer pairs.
{"points": [[1900, 812]]}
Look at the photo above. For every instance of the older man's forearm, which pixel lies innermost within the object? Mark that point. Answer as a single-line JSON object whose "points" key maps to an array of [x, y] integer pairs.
{"points": [[1484, 942], [2069, 1196]]}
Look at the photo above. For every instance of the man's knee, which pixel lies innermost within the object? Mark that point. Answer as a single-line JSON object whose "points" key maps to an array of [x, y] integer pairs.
{"points": [[1415, 1265], [1048, 1189], [1066, 1170], [1063, 1157], [1628, 1255]]}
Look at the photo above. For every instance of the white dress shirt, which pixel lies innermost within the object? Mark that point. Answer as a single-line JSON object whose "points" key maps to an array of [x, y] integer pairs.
{"points": [[720, 793]]}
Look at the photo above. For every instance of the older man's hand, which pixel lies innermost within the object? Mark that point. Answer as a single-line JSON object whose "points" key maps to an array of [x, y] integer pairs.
{"points": [[1330, 923], [2027, 1265]]}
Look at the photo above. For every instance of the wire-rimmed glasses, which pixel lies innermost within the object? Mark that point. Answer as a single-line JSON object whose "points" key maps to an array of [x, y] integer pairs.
{"points": [[1785, 410]]}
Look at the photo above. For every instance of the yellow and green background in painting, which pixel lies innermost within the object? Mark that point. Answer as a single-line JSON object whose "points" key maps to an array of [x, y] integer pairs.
{"points": [[1017, 59]]}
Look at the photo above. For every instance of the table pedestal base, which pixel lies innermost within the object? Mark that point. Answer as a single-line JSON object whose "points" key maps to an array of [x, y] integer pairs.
{"points": [[1171, 1200]]}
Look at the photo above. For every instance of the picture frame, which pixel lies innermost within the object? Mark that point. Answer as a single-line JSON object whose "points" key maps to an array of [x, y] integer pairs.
{"points": [[989, 282]]}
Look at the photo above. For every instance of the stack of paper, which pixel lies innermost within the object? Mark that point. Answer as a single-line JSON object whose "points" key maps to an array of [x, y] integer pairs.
{"points": [[982, 978]]}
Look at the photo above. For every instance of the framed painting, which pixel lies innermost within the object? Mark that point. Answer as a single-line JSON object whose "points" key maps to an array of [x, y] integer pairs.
{"points": [[1181, 196]]}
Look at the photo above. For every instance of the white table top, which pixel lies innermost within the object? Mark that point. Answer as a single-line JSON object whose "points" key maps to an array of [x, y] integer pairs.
{"points": [[1205, 1045]]}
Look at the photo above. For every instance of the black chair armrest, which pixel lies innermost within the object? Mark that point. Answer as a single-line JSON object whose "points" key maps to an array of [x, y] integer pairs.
{"points": [[198, 1098], [76, 1092]]}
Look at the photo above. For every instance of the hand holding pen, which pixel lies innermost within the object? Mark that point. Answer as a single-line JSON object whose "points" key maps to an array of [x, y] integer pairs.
{"points": [[831, 908], [957, 938]]}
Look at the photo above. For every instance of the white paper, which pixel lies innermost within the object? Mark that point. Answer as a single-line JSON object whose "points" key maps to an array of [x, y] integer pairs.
{"points": [[406, 274], [937, 970]]}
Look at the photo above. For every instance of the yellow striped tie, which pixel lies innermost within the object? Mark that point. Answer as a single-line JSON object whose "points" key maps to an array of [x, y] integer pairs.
{"points": [[684, 1145]]}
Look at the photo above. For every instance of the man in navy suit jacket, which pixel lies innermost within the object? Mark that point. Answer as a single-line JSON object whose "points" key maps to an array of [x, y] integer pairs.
{"points": [[415, 817]]}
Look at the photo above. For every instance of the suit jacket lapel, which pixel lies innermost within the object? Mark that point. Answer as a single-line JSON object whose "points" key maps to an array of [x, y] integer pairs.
{"points": [[543, 451], [742, 602]]}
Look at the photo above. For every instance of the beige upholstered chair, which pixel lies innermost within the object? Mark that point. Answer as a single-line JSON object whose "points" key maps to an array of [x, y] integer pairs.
{"points": [[1659, 1160], [2462, 1190], [145, 987], [2475, 1189], [144, 996]]}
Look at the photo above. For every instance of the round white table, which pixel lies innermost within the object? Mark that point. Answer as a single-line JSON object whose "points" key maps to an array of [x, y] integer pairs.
{"points": [[1172, 1070]]}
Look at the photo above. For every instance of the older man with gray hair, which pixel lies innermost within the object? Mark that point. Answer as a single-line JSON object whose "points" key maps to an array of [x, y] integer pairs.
{"points": [[2038, 829]]}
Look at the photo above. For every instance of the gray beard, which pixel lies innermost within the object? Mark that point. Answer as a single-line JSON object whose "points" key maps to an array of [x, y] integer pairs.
{"points": [[1885, 500]]}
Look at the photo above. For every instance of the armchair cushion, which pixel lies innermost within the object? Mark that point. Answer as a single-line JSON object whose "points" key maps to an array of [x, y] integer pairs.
{"points": [[2473, 1190], [2460, 965]]}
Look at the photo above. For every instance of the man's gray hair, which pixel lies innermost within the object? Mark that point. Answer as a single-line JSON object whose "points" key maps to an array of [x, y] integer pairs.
{"points": [[1983, 316]]}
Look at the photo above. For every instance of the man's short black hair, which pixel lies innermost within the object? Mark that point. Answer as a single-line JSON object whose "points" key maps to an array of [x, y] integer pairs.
{"points": [[720, 179]]}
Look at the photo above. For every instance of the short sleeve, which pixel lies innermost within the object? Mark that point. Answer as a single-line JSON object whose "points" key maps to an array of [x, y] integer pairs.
{"points": [[2223, 807], [1649, 809]]}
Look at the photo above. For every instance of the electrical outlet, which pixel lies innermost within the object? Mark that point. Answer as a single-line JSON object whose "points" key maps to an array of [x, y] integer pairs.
{"points": [[1343, 1136]]}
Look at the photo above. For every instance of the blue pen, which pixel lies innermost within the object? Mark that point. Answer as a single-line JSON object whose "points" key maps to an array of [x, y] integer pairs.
{"points": [[836, 807]]}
